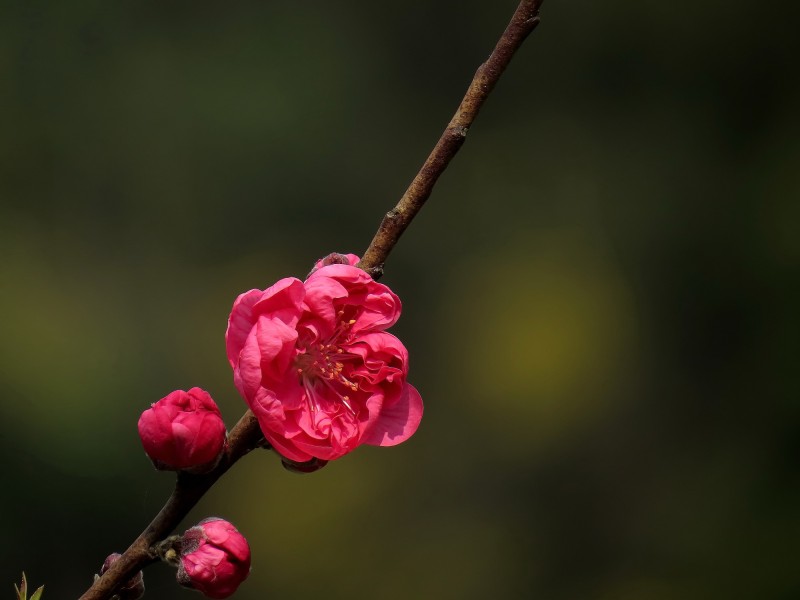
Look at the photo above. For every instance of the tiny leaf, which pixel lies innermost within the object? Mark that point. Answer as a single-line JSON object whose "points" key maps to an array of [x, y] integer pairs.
{"points": [[22, 590]]}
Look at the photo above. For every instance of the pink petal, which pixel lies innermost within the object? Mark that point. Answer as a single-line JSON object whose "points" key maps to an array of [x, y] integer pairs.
{"points": [[282, 301], [381, 309], [321, 449], [398, 421], [247, 368], [321, 292], [379, 306], [384, 344], [345, 273], [240, 323], [268, 408], [276, 424], [276, 342], [286, 448]]}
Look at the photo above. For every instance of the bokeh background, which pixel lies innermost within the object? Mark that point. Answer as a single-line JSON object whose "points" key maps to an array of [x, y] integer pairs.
{"points": [[600, 299]]}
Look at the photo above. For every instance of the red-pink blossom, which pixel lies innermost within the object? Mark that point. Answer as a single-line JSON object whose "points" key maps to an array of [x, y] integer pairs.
{"points": [[314, 364], [183, 430], [215, 558]]}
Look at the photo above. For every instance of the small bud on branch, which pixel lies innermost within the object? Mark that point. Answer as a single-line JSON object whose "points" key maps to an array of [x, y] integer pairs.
{"points": [[183, 431], [214, 558]]}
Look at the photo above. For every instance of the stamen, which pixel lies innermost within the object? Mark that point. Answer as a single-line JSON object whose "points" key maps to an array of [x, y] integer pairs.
{"points": [[325, 361], [346, 402]]}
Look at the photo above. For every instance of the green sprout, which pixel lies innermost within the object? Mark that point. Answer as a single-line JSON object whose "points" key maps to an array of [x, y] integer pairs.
{"points": [[22, 590]]}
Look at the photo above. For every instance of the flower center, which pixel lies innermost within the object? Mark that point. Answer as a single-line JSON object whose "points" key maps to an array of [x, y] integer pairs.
{"points": [[322, 370], [322, 361]]}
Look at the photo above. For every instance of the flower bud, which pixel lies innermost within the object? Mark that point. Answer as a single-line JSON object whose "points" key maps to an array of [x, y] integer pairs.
{"points": [[315, 464], [183, 430], [133, 589], [335, 258], [215, 558]]}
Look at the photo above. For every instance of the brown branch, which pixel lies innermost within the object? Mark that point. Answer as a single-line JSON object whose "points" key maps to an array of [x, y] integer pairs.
{"points": [[394, 223], [243, 438]]}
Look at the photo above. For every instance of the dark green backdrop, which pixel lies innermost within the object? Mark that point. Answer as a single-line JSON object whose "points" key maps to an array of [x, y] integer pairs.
{"points": [[600, 300]]}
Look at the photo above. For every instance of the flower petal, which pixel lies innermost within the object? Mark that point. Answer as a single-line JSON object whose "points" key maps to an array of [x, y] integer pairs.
{"points": [[240, 323], [397, 421], [286, 448], [281, 301], [247, 368], [379, 307], [276, 344]]}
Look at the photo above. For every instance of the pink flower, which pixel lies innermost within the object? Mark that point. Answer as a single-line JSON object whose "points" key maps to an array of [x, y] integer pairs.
{"points": [[215, 558], [314, 364], [183, 430]]}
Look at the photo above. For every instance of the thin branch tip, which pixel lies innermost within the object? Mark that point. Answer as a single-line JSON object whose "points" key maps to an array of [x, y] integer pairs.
{"points": [[523, 22]]}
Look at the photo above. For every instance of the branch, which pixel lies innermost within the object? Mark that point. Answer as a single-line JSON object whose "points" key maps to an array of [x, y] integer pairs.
{"points": [[246, 435], [243, 438], [394, 223]]}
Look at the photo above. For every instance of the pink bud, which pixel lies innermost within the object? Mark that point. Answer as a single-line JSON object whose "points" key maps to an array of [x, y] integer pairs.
{"points": [[335, 258], [183, 430], [215, 558], [133, 589]]}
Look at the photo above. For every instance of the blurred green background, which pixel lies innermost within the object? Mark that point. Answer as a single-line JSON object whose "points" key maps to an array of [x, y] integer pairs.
{"points": [[600, 300]]}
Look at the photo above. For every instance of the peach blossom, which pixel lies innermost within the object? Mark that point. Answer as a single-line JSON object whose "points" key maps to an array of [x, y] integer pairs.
{"points": [[315, 365]]}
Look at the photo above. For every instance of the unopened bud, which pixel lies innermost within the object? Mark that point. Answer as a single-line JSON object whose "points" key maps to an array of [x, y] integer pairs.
{"points": [[335, 258], [215, 558], [183, 431], [133, 589]]}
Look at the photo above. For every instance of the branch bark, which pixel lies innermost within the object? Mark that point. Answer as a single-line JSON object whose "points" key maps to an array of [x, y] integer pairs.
{"points": [[394, 223], [245, 436]]}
